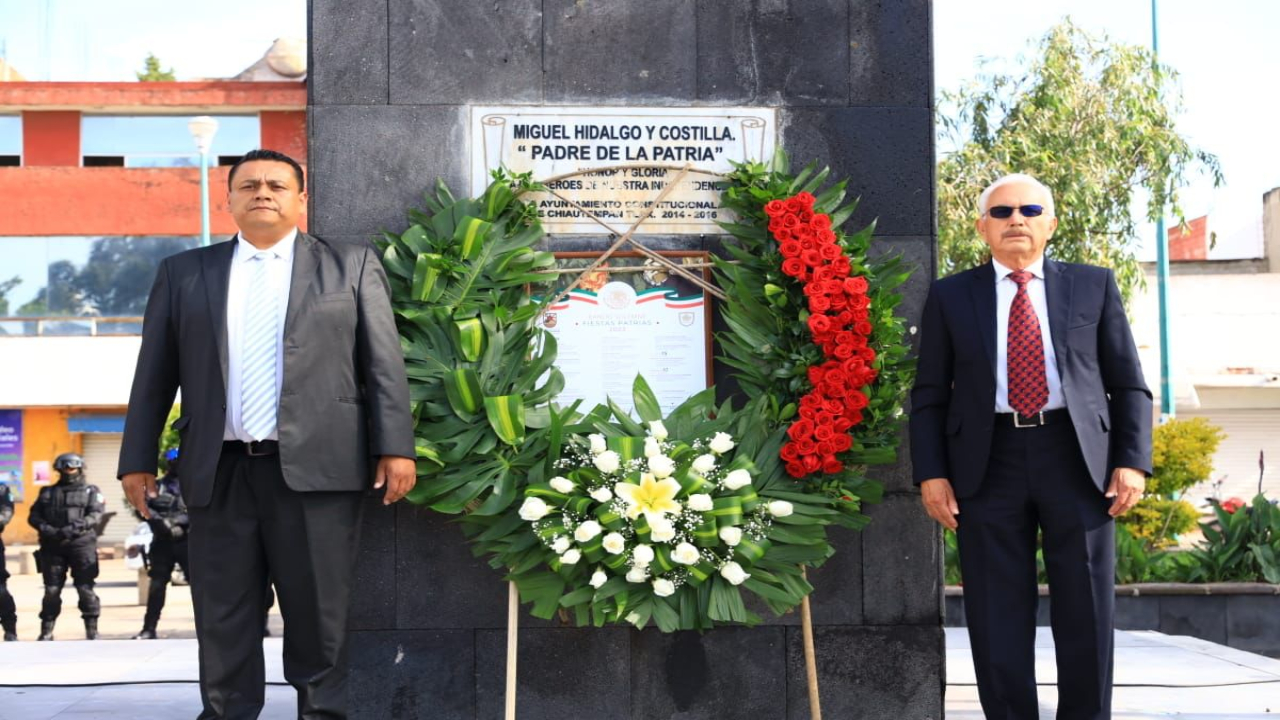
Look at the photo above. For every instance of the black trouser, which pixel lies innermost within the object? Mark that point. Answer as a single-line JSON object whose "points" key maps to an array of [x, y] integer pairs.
{"points": [[81, 557], [255, 526], [8, 610], [1037, 480], [165, 554]]}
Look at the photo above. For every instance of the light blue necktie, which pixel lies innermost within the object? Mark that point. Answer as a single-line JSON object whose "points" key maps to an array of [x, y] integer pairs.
{"points": [[258, 353]]}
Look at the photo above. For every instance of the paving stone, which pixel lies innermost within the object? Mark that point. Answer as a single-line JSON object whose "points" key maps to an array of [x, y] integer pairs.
{"points": [[1204, 617], [1251, 623], [869, 673], [1137, 613]]}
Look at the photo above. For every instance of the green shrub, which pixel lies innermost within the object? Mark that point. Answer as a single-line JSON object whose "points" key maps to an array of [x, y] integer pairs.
{"points": [[1243, 546], [1157, 521], [1182, 455]]}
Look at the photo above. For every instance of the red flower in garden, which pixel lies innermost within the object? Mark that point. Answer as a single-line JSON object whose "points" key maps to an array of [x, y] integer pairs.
{"points": [[839, 323]]}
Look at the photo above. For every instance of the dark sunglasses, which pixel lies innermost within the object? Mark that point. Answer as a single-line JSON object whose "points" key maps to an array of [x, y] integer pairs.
{"points": [[1004, 212]]}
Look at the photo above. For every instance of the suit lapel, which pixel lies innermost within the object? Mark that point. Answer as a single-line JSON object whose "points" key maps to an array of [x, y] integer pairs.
{"points": [[305, 258], [983, 290], [216, 268], [1057, 294]]}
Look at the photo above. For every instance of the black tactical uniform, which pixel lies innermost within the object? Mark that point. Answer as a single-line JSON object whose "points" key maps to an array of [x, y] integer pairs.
{"points": [[67, 516], [8, 611], [169, 524]]}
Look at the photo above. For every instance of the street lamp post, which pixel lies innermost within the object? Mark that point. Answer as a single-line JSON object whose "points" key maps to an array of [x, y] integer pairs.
{"points": [[202, 130], [1167, 406]]}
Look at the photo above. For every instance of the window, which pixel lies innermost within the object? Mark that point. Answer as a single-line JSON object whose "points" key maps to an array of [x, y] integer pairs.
{"points": [[161, 140], [10, 140]]}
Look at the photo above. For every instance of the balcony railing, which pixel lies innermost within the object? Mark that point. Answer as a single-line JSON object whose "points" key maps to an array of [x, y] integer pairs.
{"points": [[64, 325]]}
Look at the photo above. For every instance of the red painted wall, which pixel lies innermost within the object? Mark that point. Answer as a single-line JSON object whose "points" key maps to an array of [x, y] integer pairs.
{"points": [[285, 132], [51, 137], [1191, 244]]}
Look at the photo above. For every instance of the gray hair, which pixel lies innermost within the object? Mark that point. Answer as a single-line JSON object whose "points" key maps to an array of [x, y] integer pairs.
{"points": [[985, 197]]}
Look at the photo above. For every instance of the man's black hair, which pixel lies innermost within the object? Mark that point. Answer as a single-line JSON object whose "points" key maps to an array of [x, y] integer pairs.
{"points": [[263, 154]]}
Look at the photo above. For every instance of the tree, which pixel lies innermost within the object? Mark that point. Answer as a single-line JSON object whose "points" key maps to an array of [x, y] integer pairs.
{"points": [[151, 71], [1092, 120], [5, 287]]}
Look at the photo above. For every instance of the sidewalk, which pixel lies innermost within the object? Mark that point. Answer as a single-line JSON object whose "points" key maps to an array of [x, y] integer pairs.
{"points": [[1157, 676]]}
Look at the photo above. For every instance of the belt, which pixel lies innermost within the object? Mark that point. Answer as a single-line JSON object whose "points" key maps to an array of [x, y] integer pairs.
{"points": [[1044, 417], [257, 448]]}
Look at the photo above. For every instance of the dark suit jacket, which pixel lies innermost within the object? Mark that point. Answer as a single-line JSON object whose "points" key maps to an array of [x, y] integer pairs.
{"points": [[953, 402], [344, 398]]}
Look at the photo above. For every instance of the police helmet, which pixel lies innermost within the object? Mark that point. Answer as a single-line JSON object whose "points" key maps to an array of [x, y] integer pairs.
{"points": [[68, 461]]}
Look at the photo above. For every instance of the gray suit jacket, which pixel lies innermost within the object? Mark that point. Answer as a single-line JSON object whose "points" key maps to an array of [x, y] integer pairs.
{"points": [[344, 399]]}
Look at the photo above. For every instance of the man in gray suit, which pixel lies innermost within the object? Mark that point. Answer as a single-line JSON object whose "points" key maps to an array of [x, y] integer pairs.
{"points": [[286, 352]]}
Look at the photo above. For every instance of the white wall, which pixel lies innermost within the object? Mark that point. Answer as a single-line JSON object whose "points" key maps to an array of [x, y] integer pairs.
{"points": [[79, 371]]}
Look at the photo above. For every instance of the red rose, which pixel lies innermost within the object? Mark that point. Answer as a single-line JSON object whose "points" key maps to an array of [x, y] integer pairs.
{"points": [[832, 287], [808, 413], [819, 303], [805, 199], [833, 407], [807, 243], [844, 317], [868, 355], [836, 391], [857, 285], [822, 273], [794, 206], [862, 328], [774, 208], [811, 463], [826, 448], [811, 257], [800, 429], [823, 418], [855, 417], [806, 216], [861, 315], [827, 236], [844, 351], [819, 324], [842, 442], [794, 267], [824, 433], [857, 400], [790, 221], [836, 377], [832, 466], [789, 452], [839, 301], [829, 252], [815, 376], [842, 266], [806, 446], [843, 424], [796, 470], [822, 221], [861, 302], [789, 249]]}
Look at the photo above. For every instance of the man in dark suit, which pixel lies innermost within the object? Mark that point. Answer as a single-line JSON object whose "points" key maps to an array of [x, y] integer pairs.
{"points": [[286, 352], [1030, 416]]}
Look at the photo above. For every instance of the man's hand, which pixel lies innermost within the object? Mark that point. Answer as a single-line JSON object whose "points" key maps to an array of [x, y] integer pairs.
{"points": [[940, 501], [137, 488], [399, 474], [1126, 489]]}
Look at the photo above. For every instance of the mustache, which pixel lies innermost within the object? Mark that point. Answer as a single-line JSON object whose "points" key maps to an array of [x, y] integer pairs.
{"points": [[1014, 233]]}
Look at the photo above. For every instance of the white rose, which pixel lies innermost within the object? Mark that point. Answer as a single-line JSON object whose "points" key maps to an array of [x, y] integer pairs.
{"points": [[601, 495], [614, 543], [560, 544], [704, 464], [780, 508], [731, 535], [700, 502], [534, 509], [685, 554], [642, 556], [661, 466], [737, 479], [637, 574], [652, 447], [734, 573], [586, 531], [598, 444], [598, 578], [721, 443], [607, 461], [658, 430], [571, 557], [561, 484], [662, 530], [663, 587]]}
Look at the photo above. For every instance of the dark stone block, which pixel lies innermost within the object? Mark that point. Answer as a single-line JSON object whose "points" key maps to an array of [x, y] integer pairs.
{"points": [[441, 584], [838, 586], [371, 164], [494, 52], [724, 674], [887, 154], [781, 53], [373, 598], [348, 53], [1200, 616], [413, 674], [953, 611], [1251, 623], [869, 673], [902, 556], [1137, 613], [602, 52], [891, 53], [563, 673], [366, 240]]}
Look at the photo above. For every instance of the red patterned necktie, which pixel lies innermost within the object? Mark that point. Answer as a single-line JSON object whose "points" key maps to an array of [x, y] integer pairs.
{"points": [[1028, 388]]}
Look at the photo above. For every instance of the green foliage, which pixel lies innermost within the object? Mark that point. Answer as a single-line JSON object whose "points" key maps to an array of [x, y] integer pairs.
{"points": [[1092, 120], [169, 438], [769, 344], [1182, 454], [5, 287], [1158, 521], [151, 71], [1243, 546]]}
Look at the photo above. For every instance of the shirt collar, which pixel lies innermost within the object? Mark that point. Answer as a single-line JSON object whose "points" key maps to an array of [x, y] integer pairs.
{"points": [[1036, 268], [282, 249]]}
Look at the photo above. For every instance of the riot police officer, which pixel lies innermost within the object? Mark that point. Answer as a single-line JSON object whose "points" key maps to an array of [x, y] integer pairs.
{"points": [[8, 611], [67, 515], [169, 524]]}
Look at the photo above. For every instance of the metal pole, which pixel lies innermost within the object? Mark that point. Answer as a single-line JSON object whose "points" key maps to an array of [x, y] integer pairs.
{"points": [[1167, 410], [204, 197]]}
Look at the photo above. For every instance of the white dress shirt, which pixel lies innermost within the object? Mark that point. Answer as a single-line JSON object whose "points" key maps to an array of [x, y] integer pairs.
{"points": [[1006, 289], [280, 276]]}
